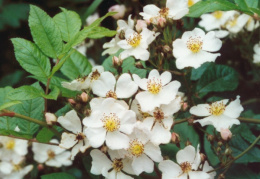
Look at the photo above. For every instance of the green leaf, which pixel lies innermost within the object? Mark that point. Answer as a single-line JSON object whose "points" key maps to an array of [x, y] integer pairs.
{"points": [[58, 176], [45, 32], [9, 104], [44, 135], [69, 23], [241, 172], [14, 133], [169, 150], [32, 108], [12, 79], [129, 66], [31, 58], [92, 8], [245, 4], [76, 65], [255, 10], [252, 3], [186, 133], [100, 32], [197, 73], [217, 78], [30, 92], [203, 7], [63, 111]]}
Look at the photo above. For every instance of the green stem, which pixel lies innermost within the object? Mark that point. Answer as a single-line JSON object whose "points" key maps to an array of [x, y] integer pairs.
{"points": [[41, 123], [153, 63], [249, 120], [251, 101], [180, 121]]}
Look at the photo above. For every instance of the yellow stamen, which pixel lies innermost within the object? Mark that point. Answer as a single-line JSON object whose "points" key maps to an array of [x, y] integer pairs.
{"points": [[136, 148], [51, 154], [10, 145], [111, 122], [111, 94], [217, 108], [194, 44], [217, 14], [164, 12], [117, 165], [154, 86], [190, 3], [135, 40], [185, 167]]}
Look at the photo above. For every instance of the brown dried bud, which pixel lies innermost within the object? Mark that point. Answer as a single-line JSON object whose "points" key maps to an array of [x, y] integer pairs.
{"points": [[87, 112], [104, 149], [116, 61], [122, 35], [203, 157], [210, 138], [184, 106], [218, 149], [40, 167], [175, 138], [221, 176], [228, 151], [188, 143], [190, 121], [139, 65], [166, 49]]}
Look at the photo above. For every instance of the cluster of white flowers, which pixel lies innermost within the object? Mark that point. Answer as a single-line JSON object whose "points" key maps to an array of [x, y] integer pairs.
{"points": [[228, 22]]}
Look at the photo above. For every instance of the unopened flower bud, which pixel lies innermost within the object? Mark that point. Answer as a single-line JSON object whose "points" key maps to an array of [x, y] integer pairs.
{"points": [[84, 97], [139, 65], [188, 143], [221, 176], [175, 138], [40, 167], [50, 118], [87, 112], [71, 101], [120, 9], [220, 143], [116, 61], [104, 149], [166, 48], [210, 138], [184, 106], [228, 151], [218, 149], [225, 134], [203, 157], [140, 24], [161, 22], [121, 35]]}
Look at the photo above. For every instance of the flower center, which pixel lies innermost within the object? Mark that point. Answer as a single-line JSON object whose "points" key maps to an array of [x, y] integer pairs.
{"points": [[135, 40], [194, 44], [82, 80], [10, 145], [95, 75], [136, 148], [80, 136], [16, 167], [190, 2], [185, 167], [217, 14], [158, 115], [111, 122], [232, 22], [111, 94], [117, 165], [153, 86], [164, 12], [51, 154], [217, 109]]}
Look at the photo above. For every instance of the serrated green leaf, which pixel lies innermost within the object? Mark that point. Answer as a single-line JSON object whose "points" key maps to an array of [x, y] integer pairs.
{"points": [[217, 78], [45, 32], [44, 135], [15, 133], [31, 58], [100, 32], [69, 23], [32, 108], [129, 66], [76, 65], [203, 7], [197, 73], [58, 176], [9, 104], [169, 150]]}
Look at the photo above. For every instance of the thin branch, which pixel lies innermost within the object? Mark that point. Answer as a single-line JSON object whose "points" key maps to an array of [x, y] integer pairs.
{"points": [[46, 92], [180, 121], [249, 120]]}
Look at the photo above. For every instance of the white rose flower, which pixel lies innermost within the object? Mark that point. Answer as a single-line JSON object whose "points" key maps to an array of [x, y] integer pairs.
{"points": [[51, 155], [158, 90], [175, 9], [237, 23], [92, 18], [161, 121], [219, 114], [195, 47], [106, 86], [256, 56], [207, 168], [78, 84], [136, 44], [110, 168], [110, 121], [94, 75], [120, 9], [188, 161], [251, 24], [123, 25], [75, 140], [192, 2], [12, 149]]}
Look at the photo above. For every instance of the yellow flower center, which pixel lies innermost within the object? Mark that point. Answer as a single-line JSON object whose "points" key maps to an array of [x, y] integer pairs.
{"points": [[16, 167], [217, 109], [154, 86], [111, 94], [185, 167], [117, 165], [51, 154], [136, 148], [111, 122], [135, 40], [194, 44], [217, 14], [164, 12], [10, 145], [82, 80], [232, 22], [158, 115], [95, 75], [190, 2]]}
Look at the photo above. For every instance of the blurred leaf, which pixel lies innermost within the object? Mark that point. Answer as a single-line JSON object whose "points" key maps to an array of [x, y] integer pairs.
{"points": [[45, 32], [87, 165], [12, 79], [241, 172], [16, 134], [197, 73], [9, 104], [69, 23], [203, 7], [44, 135], [76, 65], [169, 150], [58, 176], [92, 8], [217, 78], [129, 66], [31, 58]]}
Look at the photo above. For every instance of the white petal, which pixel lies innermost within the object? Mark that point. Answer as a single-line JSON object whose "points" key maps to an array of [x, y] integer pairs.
{"points": [[71, 122], [160, 135], [99, 162], [68, 140], [125, 86], [180, 48], [124, 45], [140, 53], [154, 74], [197, 32], [117, 140], [146, 101], [211, 43], [171, 108], [165, 77], [75, 150], [198, 175], [142, 83], [127, 122], [200, 110], [105, 83], [96, 136], [169, 169], [153, 151], [121, 175], [150, 11], [186, 155], [234, 109], [142, 164], [94, 120]]}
